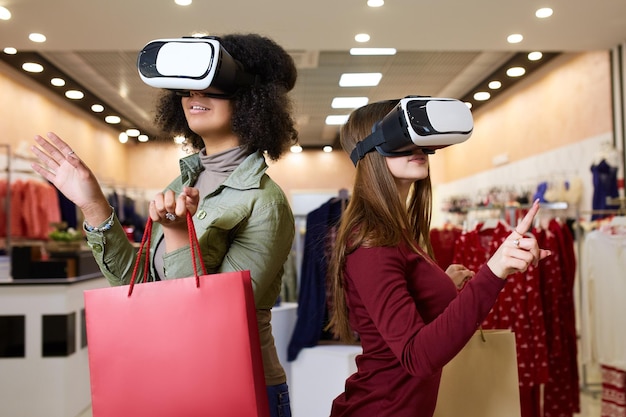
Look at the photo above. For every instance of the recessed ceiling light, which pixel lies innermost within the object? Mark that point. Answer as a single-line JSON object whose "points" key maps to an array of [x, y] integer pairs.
{"points": [[57, 82], [113, 119], [515, 38], [535, 56], [348, 102], [336, 119], [296, 149], [133, 133], [37, 37], [5, 14], [373, 51], [123, 137], [142, 138], [97, 108], [375, 3], [543, 12], [32, 67], [183, 2], [327, 148], [363, 79], [74, 94], [482, 96], [179, 139], [494, 85], [468, 104], [10, 51], [515, 71], [362, 37]]}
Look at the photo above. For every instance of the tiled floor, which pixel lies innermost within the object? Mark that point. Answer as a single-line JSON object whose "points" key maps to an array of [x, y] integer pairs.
{"points": [[589, 406]]}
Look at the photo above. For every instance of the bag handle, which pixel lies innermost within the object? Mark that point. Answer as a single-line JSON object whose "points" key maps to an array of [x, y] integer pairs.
{"points": [[194, 247]]}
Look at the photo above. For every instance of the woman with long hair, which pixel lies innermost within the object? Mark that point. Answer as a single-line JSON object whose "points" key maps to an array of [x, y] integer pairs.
{"points": [[407, 312]]}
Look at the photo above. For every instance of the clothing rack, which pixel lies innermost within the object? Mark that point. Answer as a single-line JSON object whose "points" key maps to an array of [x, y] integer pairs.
{"points": [[7, 200], [594, 388]]}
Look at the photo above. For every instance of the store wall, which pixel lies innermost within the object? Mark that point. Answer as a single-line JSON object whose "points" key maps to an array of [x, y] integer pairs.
{"points": [[566, 102], [27, 109], [548, 128]]}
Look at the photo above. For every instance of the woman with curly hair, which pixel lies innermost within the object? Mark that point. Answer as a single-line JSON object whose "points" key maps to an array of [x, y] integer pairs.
{"points": [[242, 218]]}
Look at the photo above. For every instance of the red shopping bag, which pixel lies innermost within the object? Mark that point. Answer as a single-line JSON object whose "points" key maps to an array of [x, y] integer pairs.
{"points": [[181, 347]]}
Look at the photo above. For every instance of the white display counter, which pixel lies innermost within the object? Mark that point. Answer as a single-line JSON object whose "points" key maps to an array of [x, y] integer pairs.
{"points": [[318, 375], [46, 374]]}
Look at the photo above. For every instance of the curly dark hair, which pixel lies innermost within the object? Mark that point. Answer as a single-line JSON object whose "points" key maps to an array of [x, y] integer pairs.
{"points": [[261, 113]]}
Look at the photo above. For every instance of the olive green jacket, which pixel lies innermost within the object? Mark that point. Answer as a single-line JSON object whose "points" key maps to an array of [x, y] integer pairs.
{"points": [[245, 224]]}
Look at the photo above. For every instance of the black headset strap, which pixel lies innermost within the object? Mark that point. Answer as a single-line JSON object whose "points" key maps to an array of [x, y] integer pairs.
{"points": [[367, 145]]}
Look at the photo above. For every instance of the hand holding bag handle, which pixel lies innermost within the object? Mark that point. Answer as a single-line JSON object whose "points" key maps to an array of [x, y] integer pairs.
{"points": [[194, 246]]}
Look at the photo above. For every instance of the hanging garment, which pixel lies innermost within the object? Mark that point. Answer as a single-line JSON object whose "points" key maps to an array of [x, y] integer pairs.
{"points": [[518, 308], [604, 185], [312, 296]]}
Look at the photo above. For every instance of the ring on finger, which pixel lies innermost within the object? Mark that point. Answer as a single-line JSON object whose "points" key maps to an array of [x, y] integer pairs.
{"points": [[170, 216], [70, 153], [516, 242]]}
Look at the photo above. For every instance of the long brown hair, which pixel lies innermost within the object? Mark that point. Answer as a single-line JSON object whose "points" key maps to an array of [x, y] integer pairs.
{"points": [[375, 215]]}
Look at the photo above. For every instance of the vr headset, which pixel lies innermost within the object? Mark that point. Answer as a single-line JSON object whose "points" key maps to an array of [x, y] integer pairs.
{"points": [[417, 121], [191, 63]]}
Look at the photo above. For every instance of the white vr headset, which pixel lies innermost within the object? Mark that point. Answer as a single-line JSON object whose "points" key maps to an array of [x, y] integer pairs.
{"points": [[425, 122], [191, 63]]}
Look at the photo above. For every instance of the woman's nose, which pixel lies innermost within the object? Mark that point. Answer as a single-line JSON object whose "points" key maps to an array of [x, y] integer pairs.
{"points": [[194, 93]]}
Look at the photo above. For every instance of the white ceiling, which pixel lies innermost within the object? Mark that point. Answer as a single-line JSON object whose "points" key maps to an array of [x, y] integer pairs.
{"points": [[445, 47]]}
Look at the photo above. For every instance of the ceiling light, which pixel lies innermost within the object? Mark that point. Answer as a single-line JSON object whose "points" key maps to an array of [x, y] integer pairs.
{"points": [[37, 37], [142, 138], [373, 51], [113, 120], [74, 94], [375, 3], [57, 82], [97, 108], [5, 14], [494, 85], [348, 102], [364, 79], [327, 148], [336, 119], [515, 38], [179, 140], [543, 12], [535, 56], [482, 96], [183, 2], [32, 67], [133, 133], [296, 149], [362, 37], [515, 71], [468, 104], [123, 137], [10, 51]]}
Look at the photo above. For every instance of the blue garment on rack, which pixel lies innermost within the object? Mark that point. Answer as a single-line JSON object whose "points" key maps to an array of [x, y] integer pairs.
{"points": [[312, 311], [604, 185]]}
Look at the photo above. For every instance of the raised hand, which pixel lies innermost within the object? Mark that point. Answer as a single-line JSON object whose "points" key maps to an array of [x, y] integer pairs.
{"points": [[60, 165], [519, 250]]}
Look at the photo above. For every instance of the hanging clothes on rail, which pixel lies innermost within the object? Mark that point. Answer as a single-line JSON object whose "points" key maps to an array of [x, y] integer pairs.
{"points": [[34, 206], [313, 289], [604, 286], [561, 394], [518, 308]]}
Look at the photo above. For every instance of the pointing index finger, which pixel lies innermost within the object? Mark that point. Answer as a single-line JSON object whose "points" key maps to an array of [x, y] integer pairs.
{"points": [[527, 221]]}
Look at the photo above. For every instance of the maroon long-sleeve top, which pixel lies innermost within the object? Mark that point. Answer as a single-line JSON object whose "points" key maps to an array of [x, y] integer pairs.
{"points": [[411, 322]]}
